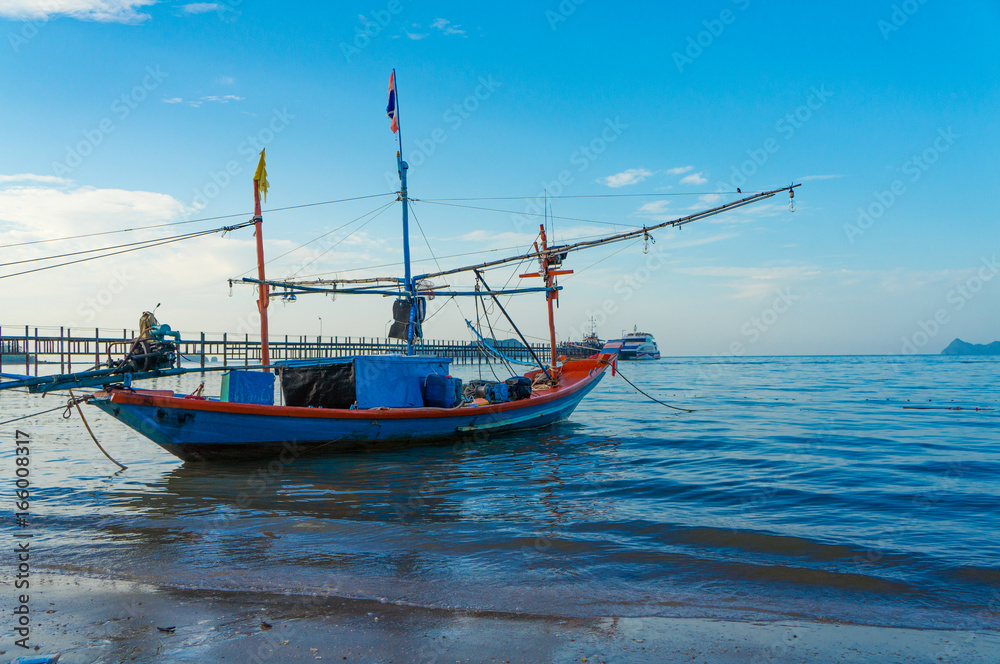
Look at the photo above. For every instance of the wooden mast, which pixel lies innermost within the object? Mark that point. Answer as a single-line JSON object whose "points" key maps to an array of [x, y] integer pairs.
{"points": [[262, 302], [551, 294]]}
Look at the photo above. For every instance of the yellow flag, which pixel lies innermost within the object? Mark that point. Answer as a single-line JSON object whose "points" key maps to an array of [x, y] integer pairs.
{"points": [[260, 177]]}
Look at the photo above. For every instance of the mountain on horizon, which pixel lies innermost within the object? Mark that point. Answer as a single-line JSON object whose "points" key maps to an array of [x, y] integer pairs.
{"points": [[959, 347]]}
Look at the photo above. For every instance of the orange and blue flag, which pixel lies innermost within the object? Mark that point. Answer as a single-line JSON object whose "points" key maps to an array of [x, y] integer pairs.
{"points": [[390, 110]]}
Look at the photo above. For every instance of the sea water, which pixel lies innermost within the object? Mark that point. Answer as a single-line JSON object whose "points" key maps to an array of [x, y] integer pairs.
{"points": [[858, 489]]}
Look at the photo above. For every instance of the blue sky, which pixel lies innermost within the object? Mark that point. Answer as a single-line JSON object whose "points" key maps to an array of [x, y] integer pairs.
{"points": [[121, 114]]}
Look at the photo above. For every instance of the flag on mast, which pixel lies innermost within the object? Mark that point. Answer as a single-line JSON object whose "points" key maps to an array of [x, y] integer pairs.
{"points": [[390, 110], [260, 177]]}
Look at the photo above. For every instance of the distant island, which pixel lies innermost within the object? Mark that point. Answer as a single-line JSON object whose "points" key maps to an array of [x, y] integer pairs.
{"points": [[959, 347]]}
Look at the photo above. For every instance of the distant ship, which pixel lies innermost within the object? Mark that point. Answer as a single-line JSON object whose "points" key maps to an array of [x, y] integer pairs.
{"points": [[591, 341], [590, 344], [635, 346]]}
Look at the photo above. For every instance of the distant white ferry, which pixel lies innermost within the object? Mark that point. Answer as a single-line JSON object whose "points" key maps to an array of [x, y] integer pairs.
{"points": [[635, 346]]}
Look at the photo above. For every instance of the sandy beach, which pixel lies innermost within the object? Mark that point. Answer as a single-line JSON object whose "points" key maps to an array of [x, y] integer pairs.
{"points": [[91, 621]]}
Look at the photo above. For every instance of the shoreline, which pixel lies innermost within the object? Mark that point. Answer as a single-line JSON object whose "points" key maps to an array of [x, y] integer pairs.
{"points": [[93, 620]]}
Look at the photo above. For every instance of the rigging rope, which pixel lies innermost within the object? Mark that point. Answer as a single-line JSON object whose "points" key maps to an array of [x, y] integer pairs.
{"points": [[422, 234], [125, 251], [528, 198], [375, 215], [356, 219], [118, 246], [428, 260], [525, 214], [190, 221], [636, 388], [67, 409]]}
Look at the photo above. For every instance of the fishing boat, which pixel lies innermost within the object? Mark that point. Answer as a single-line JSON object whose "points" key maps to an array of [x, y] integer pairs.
{"points": [[587, 346], [635, 345], [364, 401]]}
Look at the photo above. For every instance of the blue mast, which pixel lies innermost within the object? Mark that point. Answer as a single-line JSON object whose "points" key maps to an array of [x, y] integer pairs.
{"points": [[407, 277], [408, 284]]}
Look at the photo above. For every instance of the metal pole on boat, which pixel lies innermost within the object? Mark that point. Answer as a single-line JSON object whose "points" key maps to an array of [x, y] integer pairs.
{"points": [[262, 302], [407, 276]]}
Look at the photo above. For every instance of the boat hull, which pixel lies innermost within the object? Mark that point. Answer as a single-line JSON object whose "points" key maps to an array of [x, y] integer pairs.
{"points": [[638, 355], [194, 429]]}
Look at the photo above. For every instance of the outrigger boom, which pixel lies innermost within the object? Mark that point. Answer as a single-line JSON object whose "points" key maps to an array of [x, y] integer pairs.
{"points": [[645, 231]]}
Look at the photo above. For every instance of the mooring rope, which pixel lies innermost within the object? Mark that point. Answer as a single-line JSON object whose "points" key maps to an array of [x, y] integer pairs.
{"points": [[619, 372], [67, 411], [76, 402]]}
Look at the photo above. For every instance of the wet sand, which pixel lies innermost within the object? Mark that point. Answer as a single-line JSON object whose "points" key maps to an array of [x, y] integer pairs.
{"points": [[93, 620]]}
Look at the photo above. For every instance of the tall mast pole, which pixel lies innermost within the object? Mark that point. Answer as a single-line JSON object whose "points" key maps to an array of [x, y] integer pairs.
{"points": [[407, 276], [262, 302], [550, 296]]}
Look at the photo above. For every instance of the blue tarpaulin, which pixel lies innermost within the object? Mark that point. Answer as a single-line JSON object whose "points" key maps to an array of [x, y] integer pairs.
{"points": [[248, 387], [363, 381], [394, 380]]}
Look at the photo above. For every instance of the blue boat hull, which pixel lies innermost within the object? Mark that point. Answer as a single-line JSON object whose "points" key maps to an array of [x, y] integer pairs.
{"points": [[207, 430]]}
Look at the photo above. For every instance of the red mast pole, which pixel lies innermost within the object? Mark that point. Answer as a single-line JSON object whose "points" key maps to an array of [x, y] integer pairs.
{"points": [[265, 356], [550, 296]]}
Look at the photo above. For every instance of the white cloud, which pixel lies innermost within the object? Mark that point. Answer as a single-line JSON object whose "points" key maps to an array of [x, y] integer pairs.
{"points": [[680, 170], [625, 178], [223, 99], [756, 273], [40, 212], [201, 7], [654, 207], [227, 80], [445, 26], [755, 282], [30, 177], [104, 11], [196, 103], [417, 35], [695, 178], [820, 177]]}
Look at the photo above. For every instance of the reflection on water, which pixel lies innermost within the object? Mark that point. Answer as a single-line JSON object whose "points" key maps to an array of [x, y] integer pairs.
{"points": [[800, 486]]}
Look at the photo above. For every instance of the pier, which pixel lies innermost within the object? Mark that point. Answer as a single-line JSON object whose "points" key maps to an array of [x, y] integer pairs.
{"points": [[24, 349]]}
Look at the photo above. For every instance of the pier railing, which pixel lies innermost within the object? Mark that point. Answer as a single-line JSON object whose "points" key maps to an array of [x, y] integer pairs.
{"points": [[23, 349]]}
